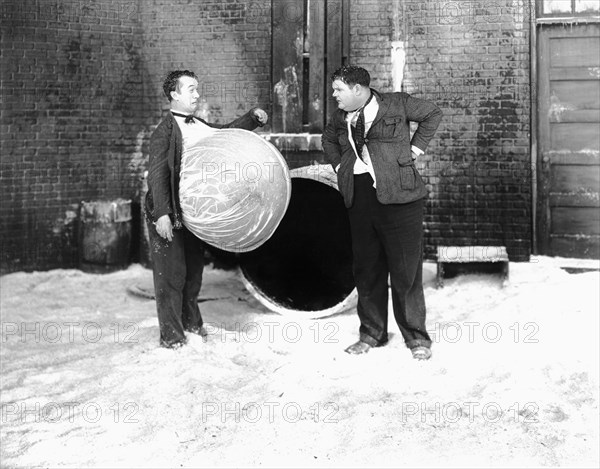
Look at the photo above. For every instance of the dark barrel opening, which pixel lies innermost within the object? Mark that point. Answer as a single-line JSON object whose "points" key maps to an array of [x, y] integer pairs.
{"points": [[307, 263]]}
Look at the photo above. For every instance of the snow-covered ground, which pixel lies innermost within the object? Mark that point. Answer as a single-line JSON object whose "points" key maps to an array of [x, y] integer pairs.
{"points": [[513, 380]]}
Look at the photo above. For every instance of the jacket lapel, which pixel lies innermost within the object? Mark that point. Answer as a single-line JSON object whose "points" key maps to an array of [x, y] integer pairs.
{"points": [[384, 105]]}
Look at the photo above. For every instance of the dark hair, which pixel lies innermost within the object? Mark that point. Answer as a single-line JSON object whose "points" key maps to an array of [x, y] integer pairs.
{"points": [[352, 75], [171, 82]]}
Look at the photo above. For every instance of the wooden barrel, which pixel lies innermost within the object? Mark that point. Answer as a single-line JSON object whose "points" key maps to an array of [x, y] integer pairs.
{"points": [[105, 235], [234, 190], [305, 269]]}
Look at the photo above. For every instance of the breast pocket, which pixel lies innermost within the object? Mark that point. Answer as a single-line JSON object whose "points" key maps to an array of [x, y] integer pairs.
{"points": [[392, 127]]}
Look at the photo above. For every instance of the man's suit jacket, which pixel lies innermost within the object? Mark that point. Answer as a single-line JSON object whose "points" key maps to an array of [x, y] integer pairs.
{"points": [[166, 147], [389, 144]]}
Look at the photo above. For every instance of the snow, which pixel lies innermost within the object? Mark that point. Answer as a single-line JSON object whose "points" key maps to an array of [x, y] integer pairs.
{"points": [[513, 381]]}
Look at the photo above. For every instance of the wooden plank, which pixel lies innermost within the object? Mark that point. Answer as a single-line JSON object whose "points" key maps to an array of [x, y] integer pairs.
{"points": [[574, 73], [576, 96], [287, 70], [543, 165], [574, 116], [468, 259], [575, 101], [472, 254], [345, 30], [575, 178], [584, 29], [574, 51], [333, 59], [316, 75], [574, 136], [589, 158], [582, 247], [585, 199], [575, 221]]}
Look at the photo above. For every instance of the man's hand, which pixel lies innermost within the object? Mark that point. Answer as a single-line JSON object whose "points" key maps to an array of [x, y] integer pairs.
{"points": [[164, 227], [261, 116], [415, 152]]}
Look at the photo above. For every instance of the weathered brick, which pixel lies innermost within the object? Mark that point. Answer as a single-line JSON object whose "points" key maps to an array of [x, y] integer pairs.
{"points": [[482, 120], [85, 80]]}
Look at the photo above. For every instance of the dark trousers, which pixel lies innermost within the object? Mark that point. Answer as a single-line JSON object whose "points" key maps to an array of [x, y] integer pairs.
{"points": [[177, 270], [388, 240]]}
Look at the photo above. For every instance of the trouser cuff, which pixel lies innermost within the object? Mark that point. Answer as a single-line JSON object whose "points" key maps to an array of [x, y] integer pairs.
{"points": [[367, 339], [418, 343]]}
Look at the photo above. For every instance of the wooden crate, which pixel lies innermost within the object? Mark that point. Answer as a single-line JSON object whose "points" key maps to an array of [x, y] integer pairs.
{"points": [[472, 258]]}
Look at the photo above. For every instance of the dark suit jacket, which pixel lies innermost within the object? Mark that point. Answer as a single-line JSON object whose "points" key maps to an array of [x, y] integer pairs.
{"points": [[389, 144], [165, 164]]}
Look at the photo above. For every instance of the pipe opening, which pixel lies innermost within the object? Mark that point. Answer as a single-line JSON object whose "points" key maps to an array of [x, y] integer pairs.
{"points": [[307, 264]]}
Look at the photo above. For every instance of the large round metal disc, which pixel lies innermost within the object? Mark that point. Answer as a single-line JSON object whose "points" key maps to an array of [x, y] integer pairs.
{"points": [[234, 190]]}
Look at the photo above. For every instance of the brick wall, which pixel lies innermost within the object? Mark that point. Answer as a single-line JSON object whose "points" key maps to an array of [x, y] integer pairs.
{"points": [[71, 94], [81, 93], [472, 59], [226, 42]]}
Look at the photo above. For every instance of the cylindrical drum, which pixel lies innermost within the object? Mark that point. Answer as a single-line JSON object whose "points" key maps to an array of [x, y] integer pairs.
{"points": [[105, 235], [234, 190], [305, 269]]}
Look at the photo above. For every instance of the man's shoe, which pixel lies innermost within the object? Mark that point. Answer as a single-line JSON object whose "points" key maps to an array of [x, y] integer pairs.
{"points": [[173, 345], [421, 353], [358, 348], [201, 331]]}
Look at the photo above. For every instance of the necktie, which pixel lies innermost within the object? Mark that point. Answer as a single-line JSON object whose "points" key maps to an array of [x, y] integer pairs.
{"points": [[358, 131], [188, 118]]}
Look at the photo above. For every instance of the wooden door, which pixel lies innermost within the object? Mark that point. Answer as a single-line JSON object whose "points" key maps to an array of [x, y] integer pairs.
{"points": [[568, 208], [310, 41]]}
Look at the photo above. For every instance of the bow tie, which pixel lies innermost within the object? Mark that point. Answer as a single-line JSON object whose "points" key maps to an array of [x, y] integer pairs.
{"points": [[189, 118]]}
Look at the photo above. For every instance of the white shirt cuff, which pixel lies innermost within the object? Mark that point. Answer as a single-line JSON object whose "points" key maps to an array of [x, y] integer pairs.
{"points": [[416, 150]]}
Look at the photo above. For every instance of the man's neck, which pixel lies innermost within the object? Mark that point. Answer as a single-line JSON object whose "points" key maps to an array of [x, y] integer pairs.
{"points": [[180, 111], [363, 102]]}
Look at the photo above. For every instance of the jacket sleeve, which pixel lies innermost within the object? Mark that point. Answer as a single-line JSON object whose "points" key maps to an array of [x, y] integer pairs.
{"points": [[159, 174], [248, 121], [331, 145], [427, 114]]}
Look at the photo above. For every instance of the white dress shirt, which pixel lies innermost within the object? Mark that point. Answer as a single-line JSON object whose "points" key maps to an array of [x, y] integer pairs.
{"points": [[192, 133], [363, 165]]}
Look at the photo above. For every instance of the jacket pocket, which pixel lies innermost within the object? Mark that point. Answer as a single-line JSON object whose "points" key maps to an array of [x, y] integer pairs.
{"points": [[392, 126], [407, 175]]}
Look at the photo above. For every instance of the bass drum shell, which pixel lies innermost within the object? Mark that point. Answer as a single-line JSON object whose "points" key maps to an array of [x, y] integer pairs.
{"points": [[234, 190]]}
